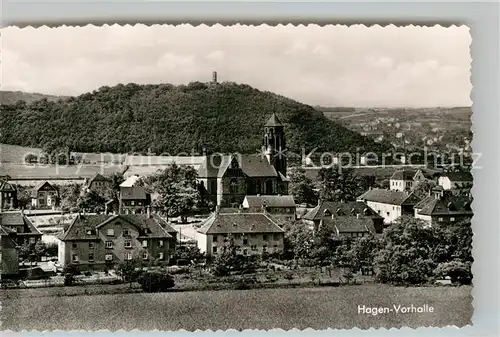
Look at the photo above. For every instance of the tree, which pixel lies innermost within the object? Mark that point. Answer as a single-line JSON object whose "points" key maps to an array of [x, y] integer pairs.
{"points": [[156, 281], [26, 250], [126, 270], [23, 197], [177, 189], [458, 271], [298, 241], [116, 180], [92, 201], [302, 187], [338, 184], [187, 254], [70, 271], [423, 188], [40, 250], [69, 195]]}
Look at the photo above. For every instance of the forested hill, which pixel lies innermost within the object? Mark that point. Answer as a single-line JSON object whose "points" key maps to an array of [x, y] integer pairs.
{"points": [[11, 97], [225, 117]]}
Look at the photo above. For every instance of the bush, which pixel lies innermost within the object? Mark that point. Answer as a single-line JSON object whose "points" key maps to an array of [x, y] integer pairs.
{"points": [[70, 271], [156, 281]]}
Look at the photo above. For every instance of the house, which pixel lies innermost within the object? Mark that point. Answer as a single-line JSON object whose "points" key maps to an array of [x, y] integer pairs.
{"points": [[390, 204], [459, 182], [8, 196], [407, 179], [97, 241], [444, 207], [99, 184], [26, 232], [9, 255], [281, 207], [253, 233], [227, 179], [348, 219], [133, 198], [44, 195]]}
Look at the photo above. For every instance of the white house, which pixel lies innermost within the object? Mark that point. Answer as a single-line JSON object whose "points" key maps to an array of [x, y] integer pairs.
{"points": [[460, 181], [389, 204]]}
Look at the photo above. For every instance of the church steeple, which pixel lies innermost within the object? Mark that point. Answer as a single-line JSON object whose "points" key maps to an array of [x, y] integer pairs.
{"points": [[274, 144]]}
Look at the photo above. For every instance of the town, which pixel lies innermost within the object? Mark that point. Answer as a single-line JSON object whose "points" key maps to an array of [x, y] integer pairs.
{"points": [[254, 217]]}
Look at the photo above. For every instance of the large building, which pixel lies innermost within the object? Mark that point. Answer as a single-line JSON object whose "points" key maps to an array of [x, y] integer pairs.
{"points": [[94, 241], [253, 233], [100, 185], [407, 179], [133, 198], [390, 204], [227, 179], [281, 207]]}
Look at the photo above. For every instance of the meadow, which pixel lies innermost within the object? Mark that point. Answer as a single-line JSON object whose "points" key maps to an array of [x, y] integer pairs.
{"points": [[317, 308]]}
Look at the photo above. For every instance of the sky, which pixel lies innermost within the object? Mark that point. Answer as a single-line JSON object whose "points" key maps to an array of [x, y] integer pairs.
{"points": [[353, 66]]}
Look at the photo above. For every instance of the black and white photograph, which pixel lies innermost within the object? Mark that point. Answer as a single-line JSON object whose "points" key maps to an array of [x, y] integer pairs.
{"points": [[179, 177]]}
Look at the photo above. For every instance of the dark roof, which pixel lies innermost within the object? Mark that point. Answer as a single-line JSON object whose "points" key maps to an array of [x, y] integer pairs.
{"points": [[222, 223], [447, 205], [133, 193], [273, 121], [98, 177], [253, 166], [7, 187], [77, 230], [391, 197], [19, 219], [270, 200], [345, 224], [424, 201], [6, 230], [326, 209], [404, 174], [458, 176], [38, 186]]}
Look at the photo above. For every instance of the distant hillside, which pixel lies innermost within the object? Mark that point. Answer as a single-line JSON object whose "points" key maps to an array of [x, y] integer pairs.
{"points": [[226, 117], [11, 97]]}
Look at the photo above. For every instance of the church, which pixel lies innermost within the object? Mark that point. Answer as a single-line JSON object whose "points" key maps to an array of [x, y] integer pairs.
{"points": [[227, 179]]}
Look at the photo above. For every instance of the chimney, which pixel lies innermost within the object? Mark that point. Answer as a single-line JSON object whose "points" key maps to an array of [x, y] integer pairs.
{"points": [[357, 216], [148, 212]]}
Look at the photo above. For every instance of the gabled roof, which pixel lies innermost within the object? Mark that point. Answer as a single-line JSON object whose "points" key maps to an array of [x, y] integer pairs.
{"points": [[19, 219], [6, 230], [133, 193], [326, 209], [253, 166], [38, 186], [130, 182], [405, 174], [273, 121], [448, 204], [224, 223], [77, 230], [424, 201], [390, 197], [458, 176], [7, 187], [98, 177], [350, 225], [270, 201]]}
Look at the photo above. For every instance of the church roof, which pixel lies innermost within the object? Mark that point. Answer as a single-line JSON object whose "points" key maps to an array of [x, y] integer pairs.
{"points": [[273, 121], [253, 166]]}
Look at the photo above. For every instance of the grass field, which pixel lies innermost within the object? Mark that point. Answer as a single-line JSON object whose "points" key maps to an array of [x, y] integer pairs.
{"points": [[317, 308]]}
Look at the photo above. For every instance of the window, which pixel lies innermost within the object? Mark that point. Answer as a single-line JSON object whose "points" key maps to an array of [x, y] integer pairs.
{"points": [[237, 236], [452, 219], [214, 238], [91, 257], [275, 246], [108, 257], [32, 240], [144, 243], [264, 237], [90, 232], [233, 186], [128, 244], [237, 247], [111, 232], [245, 252], [132, 203], [264, 248], [74, 258], [160, 256], [128, 256], [109, 244], [440, 219], [253, 247], [214, 249], [245, 241], [75, 245], [126, 232], [91, 245], [388, 213], [160, 243]]}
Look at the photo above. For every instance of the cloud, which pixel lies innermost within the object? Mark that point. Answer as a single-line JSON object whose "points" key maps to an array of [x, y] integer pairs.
{"points": [[332, 65]]}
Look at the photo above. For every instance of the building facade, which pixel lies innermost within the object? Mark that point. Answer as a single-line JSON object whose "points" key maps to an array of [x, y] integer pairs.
{"points": [[133, 198], [8, 196], [100, 185], [44, 196], [9, 256], [458, 182], [251, 233], [26, 232], [390, 204], [443, 207], [99, 241]]}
